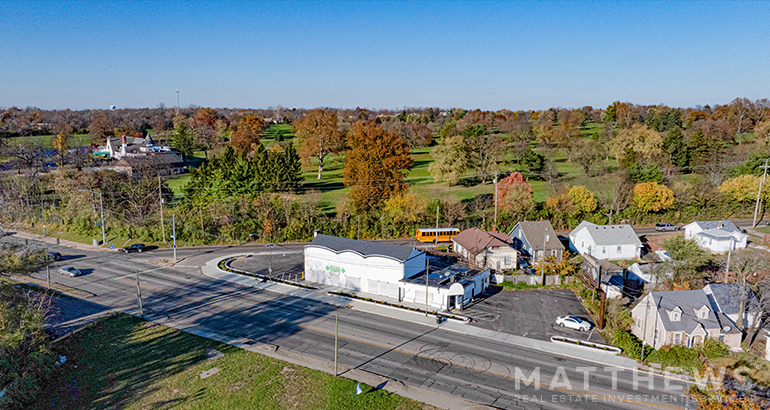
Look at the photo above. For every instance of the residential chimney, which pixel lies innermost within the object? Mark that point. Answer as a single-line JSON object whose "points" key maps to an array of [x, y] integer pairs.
{"points": [[720, 225], [124, 140], [315, 232]]}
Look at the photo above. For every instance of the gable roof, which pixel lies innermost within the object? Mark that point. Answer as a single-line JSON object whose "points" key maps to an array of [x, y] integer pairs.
{"points": [[475, 239], [689, 301], [724, 225], [535, 232], [363, 248], [728, 297], [608, 235]]}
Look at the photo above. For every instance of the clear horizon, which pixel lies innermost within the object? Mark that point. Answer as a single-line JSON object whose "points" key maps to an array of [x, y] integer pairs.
{"points": [[381, 55]]}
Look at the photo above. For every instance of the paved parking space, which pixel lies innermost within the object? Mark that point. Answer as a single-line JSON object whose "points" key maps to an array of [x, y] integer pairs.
{"points": [[529, 313]]}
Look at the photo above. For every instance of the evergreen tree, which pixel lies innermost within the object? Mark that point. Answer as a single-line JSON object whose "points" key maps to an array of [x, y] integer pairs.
{"points": [[676, 148], [698, 148]]}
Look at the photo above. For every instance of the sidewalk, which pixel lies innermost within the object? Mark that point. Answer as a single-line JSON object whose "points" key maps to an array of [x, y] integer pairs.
{"points": [[57, 241], [212, 270]]}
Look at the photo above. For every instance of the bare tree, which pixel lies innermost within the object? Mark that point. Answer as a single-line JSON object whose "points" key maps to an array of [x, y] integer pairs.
{"points": [[479, 205]]}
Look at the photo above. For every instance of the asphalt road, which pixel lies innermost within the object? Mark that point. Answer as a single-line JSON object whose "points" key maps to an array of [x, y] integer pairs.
{"points": [[477, 369]]}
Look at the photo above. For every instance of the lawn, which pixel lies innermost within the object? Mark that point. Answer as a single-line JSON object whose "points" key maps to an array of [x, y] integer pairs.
{"points": [[76, 140], [126, 362]]}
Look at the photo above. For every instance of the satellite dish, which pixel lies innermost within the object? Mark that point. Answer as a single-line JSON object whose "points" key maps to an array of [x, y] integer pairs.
{"points": [[727, 329], [112, 107]]}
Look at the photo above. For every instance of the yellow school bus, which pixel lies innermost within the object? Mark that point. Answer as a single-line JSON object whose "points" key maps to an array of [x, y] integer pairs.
{"points": [[429, 234]]}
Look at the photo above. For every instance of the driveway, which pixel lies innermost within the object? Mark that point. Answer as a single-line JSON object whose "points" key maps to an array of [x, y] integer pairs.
{"points": [[529, 313]]}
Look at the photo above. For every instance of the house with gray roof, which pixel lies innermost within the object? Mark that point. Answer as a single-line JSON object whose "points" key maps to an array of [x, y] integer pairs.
{"points": [[726, 298], [607, 242], [530, 237], [716, 236], [683, 317]]}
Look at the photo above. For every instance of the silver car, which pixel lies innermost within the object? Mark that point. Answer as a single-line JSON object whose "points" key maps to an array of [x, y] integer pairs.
{"points": [[69, 271]]}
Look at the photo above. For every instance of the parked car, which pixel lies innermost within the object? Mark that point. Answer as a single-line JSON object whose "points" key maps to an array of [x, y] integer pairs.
{"points": [[664, 227], [573, 322], [54, 255], [69, 271], [137, 247]]}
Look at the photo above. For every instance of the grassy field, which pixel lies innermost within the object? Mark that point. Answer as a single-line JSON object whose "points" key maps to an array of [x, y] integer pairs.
{"points": [[125, 362], [77, 140]]}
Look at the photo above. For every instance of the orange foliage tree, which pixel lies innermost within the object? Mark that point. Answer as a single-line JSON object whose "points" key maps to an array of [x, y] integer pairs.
{"points": [[319, 136], [375, 164], [515, 196], [246, 136]]}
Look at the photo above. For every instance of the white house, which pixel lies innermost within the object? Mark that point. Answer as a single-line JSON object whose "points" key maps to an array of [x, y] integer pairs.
{"points": [[716, 236], [492, 250], [607, 242], [530, 237], [361, 265]]}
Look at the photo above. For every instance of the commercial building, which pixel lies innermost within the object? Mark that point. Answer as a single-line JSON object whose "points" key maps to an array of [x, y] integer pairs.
{"points": [[393, 271]]}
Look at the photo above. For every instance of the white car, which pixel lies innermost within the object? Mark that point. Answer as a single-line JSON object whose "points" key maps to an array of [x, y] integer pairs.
{"points": [[573, 322], [70, 271]]}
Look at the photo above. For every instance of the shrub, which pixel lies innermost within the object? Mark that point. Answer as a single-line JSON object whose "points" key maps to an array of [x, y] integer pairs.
{"points": [[677, 356], [713, 348], [630, 344]]}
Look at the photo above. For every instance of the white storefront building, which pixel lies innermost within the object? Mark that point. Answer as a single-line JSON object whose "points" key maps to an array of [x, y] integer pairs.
{"points": [[393, 271]]}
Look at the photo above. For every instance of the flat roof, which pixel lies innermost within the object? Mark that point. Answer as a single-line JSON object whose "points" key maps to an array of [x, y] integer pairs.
{"points": [[444, 277]]}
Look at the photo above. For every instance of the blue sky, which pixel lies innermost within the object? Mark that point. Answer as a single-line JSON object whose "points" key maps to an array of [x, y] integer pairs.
{"points": [[392, 54]]}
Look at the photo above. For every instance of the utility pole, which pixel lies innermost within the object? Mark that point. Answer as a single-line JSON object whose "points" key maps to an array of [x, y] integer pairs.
{"points": [[427, 274], [270, 256], [177, 102], [173, 224], [436, 226], [336, 335], [759, 193], [139, 294], [358, 225], [495, 201], [729, 251], [47, 271], [101, 205], [162, 222], [546, 237]]}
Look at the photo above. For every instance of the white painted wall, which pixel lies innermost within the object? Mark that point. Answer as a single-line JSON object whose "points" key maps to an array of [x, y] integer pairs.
{"points": [[583, 242], [358, 270]]}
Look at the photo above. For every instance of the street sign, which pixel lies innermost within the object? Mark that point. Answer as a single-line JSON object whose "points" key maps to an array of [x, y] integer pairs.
{"points": [[112, 246], [98, 223]]}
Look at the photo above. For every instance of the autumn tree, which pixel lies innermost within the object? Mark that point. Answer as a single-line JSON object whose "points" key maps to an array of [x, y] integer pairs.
{"points": [[319, 136], [404, 207], [515, 196], [653, 197], [375, 164], [450, 160], [61, 145], [586, 153], [485, 150], [247, 133], [743, 189], [101, 128], [204, 123], [644, 144], [762, 135], [583, 199]]}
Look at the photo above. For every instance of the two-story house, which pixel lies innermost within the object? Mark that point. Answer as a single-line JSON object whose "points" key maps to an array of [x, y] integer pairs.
{"points": [[532, 238], [684, 317]]}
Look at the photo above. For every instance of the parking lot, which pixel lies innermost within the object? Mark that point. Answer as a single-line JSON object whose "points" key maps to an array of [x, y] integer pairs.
{"points": [[529, 313]]}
